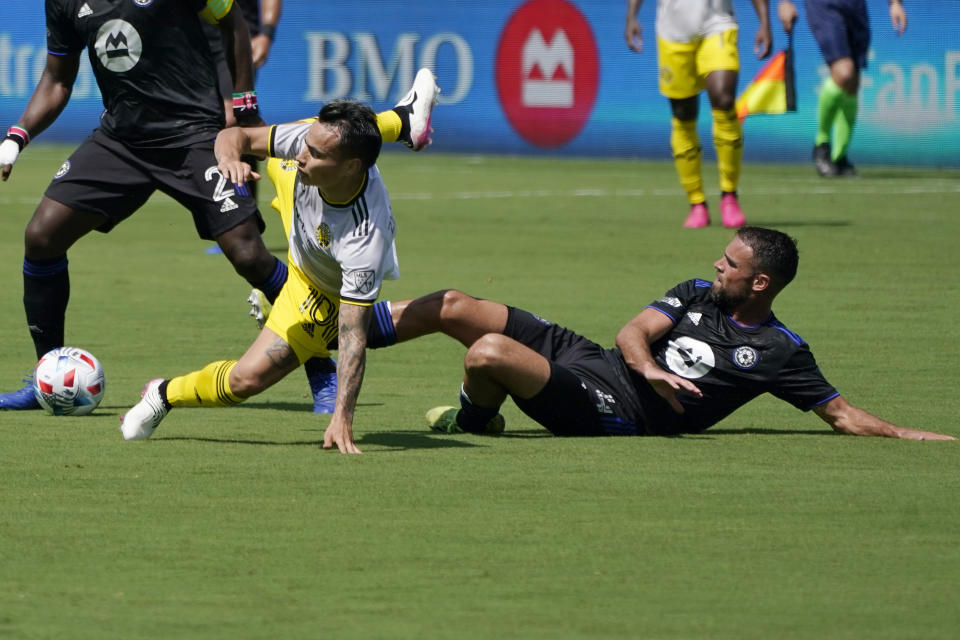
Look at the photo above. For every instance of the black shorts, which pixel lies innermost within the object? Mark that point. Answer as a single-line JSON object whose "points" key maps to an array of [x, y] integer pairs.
{"points": [[584, 394], [841, 29], [107, 177]]}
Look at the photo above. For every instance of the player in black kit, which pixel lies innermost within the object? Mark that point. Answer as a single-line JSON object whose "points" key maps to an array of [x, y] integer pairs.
{"points": [[684, 363], [163, 110]]}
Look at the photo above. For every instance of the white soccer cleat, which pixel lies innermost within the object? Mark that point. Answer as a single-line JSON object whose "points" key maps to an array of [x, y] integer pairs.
{"points": [[419, 103], [260, 307], [143, 418]]}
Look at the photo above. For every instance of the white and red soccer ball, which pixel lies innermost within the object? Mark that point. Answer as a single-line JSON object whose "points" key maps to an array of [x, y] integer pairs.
{"points": [[68, 382]]}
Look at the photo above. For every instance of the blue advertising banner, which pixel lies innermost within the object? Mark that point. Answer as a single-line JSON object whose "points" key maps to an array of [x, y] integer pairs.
{"points": [[551, 77]]}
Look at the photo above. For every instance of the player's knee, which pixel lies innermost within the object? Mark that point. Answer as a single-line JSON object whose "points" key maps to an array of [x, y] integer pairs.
{"points": [[454, 306], [487, 354]]}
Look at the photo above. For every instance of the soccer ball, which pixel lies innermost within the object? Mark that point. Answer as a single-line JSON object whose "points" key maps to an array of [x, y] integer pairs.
{"points": [[68, 382]]}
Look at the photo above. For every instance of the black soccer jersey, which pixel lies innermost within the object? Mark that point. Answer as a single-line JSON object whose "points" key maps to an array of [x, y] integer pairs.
{"points": [[730, 363], [152, 64]]}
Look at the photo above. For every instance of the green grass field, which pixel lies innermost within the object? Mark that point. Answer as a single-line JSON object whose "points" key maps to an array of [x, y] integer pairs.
{"points": [[234, 523]]}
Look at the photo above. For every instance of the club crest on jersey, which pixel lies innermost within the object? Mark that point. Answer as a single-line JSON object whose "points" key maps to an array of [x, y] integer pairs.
{"points": [[63, 170], [689, 358], [118, 45], [745, 357], [323, 235]]}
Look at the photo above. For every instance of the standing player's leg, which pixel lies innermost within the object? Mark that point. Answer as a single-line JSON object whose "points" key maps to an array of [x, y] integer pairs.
{"points": [[95, 188], [681, 85], [718, 61]]}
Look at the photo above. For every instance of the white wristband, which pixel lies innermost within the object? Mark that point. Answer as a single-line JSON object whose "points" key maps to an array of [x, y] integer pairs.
{"points": [[9, 150]]}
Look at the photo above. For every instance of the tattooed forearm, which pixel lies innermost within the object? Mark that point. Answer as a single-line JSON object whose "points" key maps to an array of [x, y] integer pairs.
{"points": [[281, 354], [352, 356]]}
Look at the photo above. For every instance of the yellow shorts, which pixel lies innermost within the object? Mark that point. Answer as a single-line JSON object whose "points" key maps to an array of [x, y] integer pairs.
{"points": [[305, 316], [685, 65]]}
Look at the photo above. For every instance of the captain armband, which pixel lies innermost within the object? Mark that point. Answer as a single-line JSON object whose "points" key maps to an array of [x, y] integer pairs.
{"points": [[216, 10], [245, 107]]}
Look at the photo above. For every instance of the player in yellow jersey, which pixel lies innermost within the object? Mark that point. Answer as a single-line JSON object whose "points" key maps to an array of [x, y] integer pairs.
{"points": [[341, 238], [697, 50]]}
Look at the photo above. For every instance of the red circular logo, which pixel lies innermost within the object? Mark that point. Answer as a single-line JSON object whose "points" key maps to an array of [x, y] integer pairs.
{"points": [[547, 71]]}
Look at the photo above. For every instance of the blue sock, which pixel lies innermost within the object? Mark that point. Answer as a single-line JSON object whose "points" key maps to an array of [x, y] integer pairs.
{"points": [[381, 333], [272, 285]]}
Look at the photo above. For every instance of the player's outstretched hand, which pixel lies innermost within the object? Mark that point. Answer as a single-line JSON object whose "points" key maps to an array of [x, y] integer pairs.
{"points": [[914, 434], [341, 435], [667, 385]]}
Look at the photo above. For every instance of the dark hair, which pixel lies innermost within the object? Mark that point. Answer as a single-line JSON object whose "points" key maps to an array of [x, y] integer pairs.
{"points": [[774, 253], [357, 124]]}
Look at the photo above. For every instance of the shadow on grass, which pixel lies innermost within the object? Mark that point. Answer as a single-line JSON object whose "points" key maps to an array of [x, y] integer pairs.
{"points": [[756, 431], [801, 223], [395, 440]]}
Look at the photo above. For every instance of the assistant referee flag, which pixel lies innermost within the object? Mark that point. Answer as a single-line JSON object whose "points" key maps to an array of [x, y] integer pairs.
{"points": [[773, 89]]}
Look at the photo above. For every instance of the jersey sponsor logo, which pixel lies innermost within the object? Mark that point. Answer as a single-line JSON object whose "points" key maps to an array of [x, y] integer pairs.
{"points": [[323, 235], [746, 357], [547, 71], [85, 11], [363, 281], [62, 171], [118, 46], [689, 358]]}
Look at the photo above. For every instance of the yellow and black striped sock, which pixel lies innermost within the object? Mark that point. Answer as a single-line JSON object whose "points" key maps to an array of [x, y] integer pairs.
{"points": [[728, 141], [208, 387], [686, 157]]}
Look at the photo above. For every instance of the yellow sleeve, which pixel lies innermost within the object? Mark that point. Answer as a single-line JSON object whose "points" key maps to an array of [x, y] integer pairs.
{"points": [[216, 10]]}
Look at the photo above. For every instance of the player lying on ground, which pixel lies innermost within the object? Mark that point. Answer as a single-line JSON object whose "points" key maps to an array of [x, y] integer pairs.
{"points": [[341, 233], [684, 363]]}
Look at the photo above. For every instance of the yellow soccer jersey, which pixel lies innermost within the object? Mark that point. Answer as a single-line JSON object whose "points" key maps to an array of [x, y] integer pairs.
{"points": [[347, 248]]}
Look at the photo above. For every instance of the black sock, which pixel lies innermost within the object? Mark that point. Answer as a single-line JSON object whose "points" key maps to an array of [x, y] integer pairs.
{"points": [[472, 418], [46, 291], [404, 112]]}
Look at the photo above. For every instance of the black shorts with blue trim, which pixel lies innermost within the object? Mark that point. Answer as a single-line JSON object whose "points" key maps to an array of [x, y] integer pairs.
{"points": [[107, 177], [584, 392]]}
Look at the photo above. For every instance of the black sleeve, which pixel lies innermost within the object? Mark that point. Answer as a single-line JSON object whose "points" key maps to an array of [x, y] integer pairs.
{"points": [[62, 36], [678, 299], [800, 382]]}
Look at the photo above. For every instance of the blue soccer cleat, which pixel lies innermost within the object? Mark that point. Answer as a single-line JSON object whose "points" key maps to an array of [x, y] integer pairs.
{"points": [[322, 375], [20, 400]]}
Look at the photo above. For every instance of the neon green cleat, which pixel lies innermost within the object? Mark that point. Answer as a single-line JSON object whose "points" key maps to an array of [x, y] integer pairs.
{"points": [[444, 420], [260, 307]]}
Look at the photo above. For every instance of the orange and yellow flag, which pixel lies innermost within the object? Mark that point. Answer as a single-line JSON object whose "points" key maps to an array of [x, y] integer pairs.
{"points": [[773, 89]]}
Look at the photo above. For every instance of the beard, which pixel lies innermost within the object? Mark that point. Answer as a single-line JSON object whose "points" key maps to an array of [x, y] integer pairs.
{"points": [[727, 300]]}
